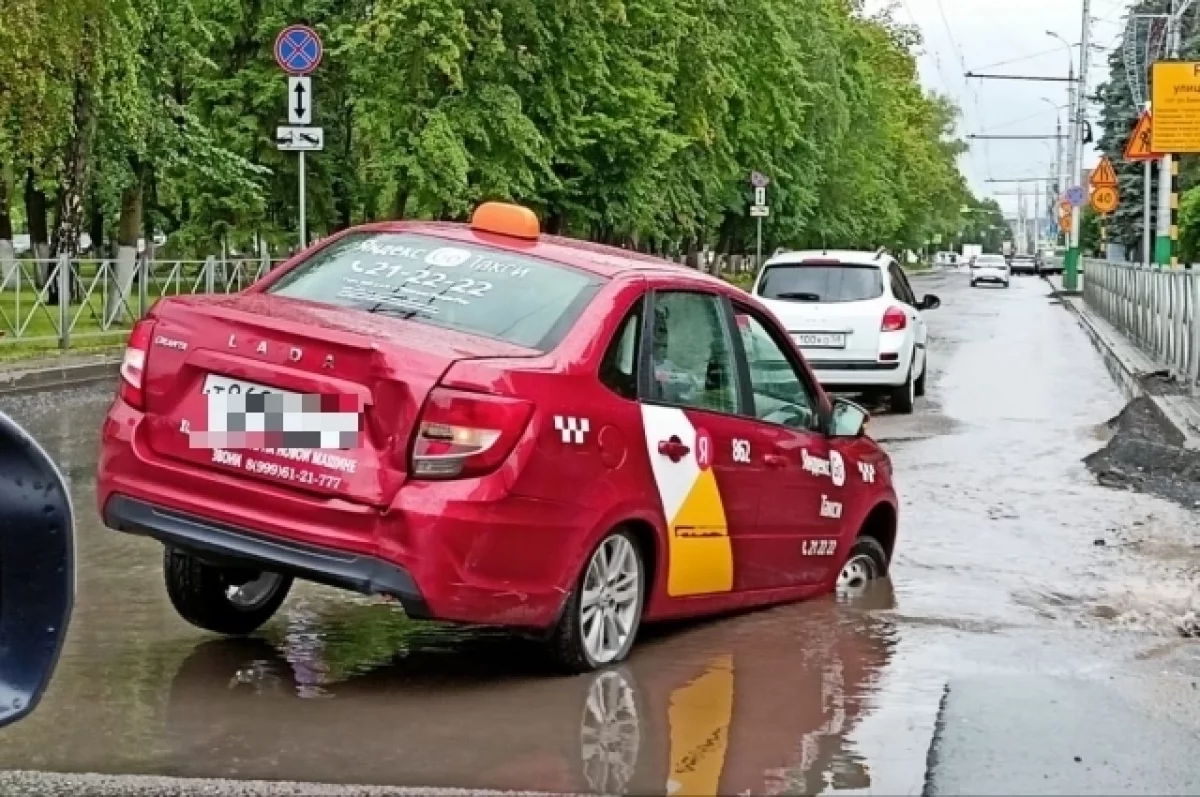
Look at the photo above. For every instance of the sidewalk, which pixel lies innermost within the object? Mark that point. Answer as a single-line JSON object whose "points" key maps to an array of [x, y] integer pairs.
{"points": [[1135, 372], [58, 371]]}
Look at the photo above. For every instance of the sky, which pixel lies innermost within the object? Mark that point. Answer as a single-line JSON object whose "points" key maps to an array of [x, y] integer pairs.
{"points": [[1009, 37]]}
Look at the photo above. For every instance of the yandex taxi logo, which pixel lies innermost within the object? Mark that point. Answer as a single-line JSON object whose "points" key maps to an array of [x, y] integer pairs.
{"points": [[699, 553]]}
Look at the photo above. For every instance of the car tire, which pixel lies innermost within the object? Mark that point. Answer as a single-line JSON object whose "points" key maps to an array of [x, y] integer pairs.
{"points": [[201, 593], [866, 562], [569, 645], [903, 397], [919, 387]]}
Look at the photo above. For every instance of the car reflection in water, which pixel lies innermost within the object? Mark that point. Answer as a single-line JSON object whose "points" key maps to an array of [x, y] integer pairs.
{"points": [[762, 703]]}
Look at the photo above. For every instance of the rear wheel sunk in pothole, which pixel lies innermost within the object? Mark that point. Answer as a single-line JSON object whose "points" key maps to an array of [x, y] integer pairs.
{"points": [[220, 598]]}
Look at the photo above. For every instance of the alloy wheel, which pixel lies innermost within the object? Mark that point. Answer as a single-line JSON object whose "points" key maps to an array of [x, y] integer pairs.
{"points": [[611, 599], [255, 593], [856, 574]]}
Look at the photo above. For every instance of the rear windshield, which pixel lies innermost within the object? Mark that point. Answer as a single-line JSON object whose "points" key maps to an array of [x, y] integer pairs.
{"points": [[470, 288], [842, 282]]}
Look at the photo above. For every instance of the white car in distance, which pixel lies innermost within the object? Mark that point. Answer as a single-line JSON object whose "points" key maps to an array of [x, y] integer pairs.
{"points": [[856, 319], [990, 268]]}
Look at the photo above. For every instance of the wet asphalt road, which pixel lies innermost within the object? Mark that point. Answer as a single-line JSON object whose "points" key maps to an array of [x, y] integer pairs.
{"points": [[1011, 653]]}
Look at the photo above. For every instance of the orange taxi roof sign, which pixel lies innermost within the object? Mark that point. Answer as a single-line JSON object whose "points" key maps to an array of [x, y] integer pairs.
{"points": [[503, 218]]}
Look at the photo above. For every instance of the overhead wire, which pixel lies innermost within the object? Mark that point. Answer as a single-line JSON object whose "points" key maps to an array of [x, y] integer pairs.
{"points": [[970, 90]]}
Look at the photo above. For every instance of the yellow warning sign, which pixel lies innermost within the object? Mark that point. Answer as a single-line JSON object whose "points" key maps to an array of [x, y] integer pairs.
{"points": [[1104, 175], [1175, 98], [1138, 147], [1105, 200]]}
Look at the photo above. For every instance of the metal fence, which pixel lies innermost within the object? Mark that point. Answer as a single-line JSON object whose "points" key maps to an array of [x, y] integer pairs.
{"points": [[102, 298], [105, 296], [1156, 309]]}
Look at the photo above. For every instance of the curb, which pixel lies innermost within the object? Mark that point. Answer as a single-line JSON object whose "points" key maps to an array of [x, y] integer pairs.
{"points": [[45, 378], [1129, 376]]}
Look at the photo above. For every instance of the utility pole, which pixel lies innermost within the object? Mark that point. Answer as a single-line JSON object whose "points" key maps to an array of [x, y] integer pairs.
{"points": [[1078, 109], [1163, 254]]}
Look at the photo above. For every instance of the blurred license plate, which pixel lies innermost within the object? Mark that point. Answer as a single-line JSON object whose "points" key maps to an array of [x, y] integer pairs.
{"points": [[820, 340], [215, 385]]}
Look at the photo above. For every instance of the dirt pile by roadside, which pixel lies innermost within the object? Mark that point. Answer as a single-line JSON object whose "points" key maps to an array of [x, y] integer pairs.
{"points": [[1146, 454]]}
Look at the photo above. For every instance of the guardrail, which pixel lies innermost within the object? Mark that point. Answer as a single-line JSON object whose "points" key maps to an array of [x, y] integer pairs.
{"points": [[104, 297], [1156, 309]]}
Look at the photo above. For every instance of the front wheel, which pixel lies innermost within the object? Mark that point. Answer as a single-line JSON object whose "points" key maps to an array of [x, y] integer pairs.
{"points": [[867, 562], [602, 615], [223, 599]]}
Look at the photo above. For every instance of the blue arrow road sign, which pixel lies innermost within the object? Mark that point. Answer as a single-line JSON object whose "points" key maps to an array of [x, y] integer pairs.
{"points": [[1075, 195], [298, 49]]}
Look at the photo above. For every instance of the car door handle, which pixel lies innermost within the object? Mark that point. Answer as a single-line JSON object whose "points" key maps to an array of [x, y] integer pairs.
{"points": [[775, 460], [673, 449]]}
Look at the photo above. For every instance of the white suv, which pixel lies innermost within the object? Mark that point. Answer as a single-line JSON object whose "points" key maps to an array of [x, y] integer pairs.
{"points": [[990, 268], [855, 317]]}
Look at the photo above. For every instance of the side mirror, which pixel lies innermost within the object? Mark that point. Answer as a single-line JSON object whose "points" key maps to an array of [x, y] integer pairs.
{"points": [[930, 302], [847, 419], [37, 570]]}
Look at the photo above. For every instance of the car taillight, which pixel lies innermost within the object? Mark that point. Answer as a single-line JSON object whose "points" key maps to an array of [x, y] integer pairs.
{"points": [[133, 366], [464, 434], [894, 320]]}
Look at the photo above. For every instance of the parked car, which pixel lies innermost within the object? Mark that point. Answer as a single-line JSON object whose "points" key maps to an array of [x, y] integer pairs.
{"points": [[856, 318], [495, 428], [1050, 263], [1023, 264]]}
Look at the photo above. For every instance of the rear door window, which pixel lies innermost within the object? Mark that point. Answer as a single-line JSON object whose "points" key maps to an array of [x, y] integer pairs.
{"points": [[824, 282], [900, 286], [470, 288]]}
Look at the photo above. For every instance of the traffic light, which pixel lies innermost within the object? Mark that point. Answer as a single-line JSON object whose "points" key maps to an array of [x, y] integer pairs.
{"points": [[37, 570]]}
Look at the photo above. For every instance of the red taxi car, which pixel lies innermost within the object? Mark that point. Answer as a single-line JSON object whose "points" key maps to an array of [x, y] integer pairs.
{"points": [[495, 427]]}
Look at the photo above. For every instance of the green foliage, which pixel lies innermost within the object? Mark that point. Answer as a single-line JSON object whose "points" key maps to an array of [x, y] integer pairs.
{"points": [[633, 122]]}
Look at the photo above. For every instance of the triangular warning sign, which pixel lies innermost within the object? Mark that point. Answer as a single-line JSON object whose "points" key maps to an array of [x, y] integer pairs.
{"points": [[1138, 146], [1104, 176]]}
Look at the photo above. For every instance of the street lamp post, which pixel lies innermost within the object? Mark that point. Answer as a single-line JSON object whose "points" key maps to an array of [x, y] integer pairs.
{"points": [[1077, 104]]}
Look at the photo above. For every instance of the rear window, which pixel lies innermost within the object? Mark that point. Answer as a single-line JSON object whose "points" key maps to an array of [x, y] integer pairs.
{"points": [[476, 289], [840, 282]]}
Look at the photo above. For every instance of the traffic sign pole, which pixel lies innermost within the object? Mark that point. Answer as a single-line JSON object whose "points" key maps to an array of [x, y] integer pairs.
{"points": [[758, 256], [303, 206], [759, 209], [298, 51]]}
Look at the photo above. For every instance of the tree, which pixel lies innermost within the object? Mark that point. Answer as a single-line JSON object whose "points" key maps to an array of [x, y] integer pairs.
{"points": [[632, 122]]}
